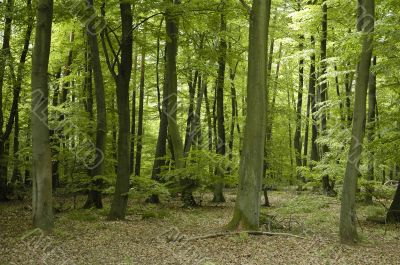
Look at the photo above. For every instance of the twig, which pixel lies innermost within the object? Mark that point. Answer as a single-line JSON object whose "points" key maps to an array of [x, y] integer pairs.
{"points": [[253, 233]]}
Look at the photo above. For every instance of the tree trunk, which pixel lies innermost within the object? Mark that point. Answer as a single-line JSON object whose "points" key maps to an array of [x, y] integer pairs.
{"points": [[42, 201], [313, 98], [171, 84], [190, 116], [139, 146], [372, 104], [94, 196], [393, 215], [5, 52], [247, 206], [133, 111], [221, 140], [297, 134], [326, 183], [270, 114], [120, 199], [348, 218]]}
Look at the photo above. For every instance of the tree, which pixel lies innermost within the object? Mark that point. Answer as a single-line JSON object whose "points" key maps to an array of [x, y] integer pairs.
{"points": [[5, 53], [139, 146], [94, 196], [42, 199], [221, 140], [393, 215], [122, 79], [348, 218], [246, 213]]}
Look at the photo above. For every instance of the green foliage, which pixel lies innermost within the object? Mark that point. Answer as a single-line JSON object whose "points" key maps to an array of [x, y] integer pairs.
{"points": [[199, 171], [144, 187]]}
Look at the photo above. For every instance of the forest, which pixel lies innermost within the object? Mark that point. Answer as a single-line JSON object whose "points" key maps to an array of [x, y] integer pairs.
{"points": [[199, 132]]}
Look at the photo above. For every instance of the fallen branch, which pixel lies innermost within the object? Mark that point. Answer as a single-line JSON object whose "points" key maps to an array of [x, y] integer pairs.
{"points": [[253, 233]]}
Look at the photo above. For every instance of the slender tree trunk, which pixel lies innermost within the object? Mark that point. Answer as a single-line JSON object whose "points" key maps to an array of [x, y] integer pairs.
{"points": [[247, 206], [209, 119], [313, 98], [234, 119], [16, 175], [42, 202], [221, 140], [133, 123], [270, 116], [95, 195], [161, 148], [326, 182], [297, 134], [139, 145], [120, 199], [372, 103], [5, 52], [348, 218], [290, 134], [189, 121]]}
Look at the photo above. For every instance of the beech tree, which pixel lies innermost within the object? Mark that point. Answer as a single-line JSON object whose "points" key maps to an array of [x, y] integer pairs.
{"points": [[348, 217], [246, 213], [42, 199]]}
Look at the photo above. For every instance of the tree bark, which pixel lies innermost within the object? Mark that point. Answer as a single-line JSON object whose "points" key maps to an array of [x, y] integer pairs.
{"points": [[42, 201], [348, 218], [139, 145], [247, 206], [372, 105], [297, 134], [122, 79], [95, 195], [221, 137], [5, 52], [326, 182], [313, 98]]}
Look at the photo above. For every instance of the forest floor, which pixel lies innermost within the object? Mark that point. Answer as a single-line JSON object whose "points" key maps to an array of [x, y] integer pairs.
{"points": [[150, 235]]}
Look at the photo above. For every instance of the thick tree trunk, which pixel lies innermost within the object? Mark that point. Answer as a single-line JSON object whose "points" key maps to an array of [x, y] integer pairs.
{"points": [[94, 196], [247, 206], [348, 218], [42, 201], [120, 199], [139, 145]]}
